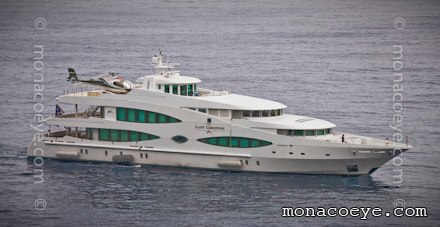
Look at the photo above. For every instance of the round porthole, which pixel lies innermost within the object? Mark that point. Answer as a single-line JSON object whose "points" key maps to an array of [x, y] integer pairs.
{"points": [[180, 139]]}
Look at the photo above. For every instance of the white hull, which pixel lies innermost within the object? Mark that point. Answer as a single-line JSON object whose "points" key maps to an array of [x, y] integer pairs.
{"points": [[279, 163], [169, 120]]}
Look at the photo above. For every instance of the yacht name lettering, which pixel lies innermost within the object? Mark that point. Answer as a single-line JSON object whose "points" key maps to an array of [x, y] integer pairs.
{"points": [[208, 127]]}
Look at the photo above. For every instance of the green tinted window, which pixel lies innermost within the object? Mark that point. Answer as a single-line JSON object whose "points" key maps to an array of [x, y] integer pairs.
{"points": [[320, 132], [213, 141], [131, 115], [124, 135], [327, 131], [244, 142], [190, 89], [239, 142], [234, 142], [167, 88], [255, 143], [298, 132], [175, 86], [103, 134], [120, 114], [134, 136], [183, 90], [265, 143], [162, 118], [144, 136], [310, 132], [89, 133], [151, 117], [114, 135], [223, 141], [141, 116]]}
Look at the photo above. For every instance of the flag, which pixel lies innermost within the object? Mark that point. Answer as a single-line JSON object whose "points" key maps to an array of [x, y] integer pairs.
{"points": [[58, 110]]}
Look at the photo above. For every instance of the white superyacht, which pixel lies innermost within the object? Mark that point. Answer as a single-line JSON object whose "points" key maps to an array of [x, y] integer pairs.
{"points": [[167, 119]]}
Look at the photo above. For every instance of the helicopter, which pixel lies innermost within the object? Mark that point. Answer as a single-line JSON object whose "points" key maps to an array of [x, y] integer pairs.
{"points": [[111, 82]]}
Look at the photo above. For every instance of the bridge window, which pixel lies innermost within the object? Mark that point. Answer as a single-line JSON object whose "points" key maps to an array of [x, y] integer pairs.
{"points": [[310, 132], [239, 142], [213, 112], [224, 113], [175, 87], [167, 88], [298, 132], [183, 90], [141, 116], [262, 113], [190, 90], [236, 114]]}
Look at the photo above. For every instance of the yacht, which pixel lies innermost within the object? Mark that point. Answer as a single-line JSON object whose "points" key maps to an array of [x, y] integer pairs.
{"points": [[169, 120]]}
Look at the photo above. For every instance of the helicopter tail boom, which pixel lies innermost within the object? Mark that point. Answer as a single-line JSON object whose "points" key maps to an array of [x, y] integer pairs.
{"points": [[73, 78]]}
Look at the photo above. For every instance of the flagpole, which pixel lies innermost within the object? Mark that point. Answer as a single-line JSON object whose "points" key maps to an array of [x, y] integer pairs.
{"points": [[76, 116]]}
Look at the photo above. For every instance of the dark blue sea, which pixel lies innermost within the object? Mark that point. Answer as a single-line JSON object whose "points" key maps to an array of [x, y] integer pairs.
{"points": [[325, 59]]}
